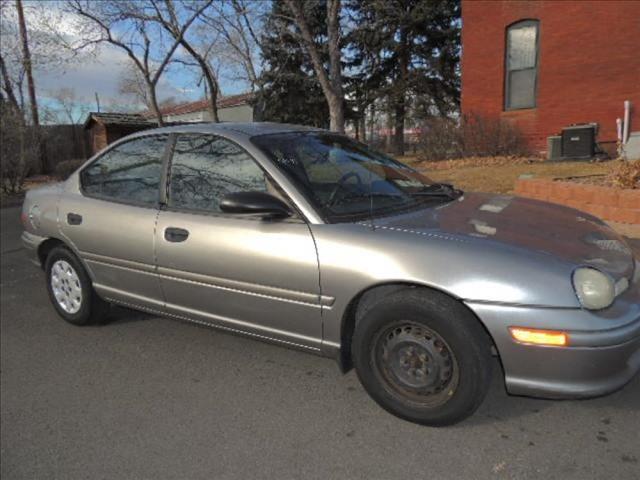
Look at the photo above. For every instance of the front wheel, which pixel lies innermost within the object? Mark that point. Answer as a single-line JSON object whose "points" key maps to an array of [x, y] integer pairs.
{"points": [[70, 289], [423, 357]]}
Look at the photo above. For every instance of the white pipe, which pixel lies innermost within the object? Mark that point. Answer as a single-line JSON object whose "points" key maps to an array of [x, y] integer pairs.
{"points": [[625, 131], [619, 129]]}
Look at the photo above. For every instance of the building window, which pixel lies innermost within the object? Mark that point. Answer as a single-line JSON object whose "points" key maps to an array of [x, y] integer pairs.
{"points": [[521, 65]]}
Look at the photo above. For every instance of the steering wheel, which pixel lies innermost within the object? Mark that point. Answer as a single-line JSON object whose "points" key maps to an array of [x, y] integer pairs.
{"points": [[340, 185]]}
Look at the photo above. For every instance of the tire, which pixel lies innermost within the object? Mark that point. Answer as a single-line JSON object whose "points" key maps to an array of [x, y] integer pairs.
{"points": [[423, 357], [70, 289]]}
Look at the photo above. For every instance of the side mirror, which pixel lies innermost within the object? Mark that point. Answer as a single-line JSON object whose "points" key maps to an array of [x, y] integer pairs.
{"points": [[256, 203]]}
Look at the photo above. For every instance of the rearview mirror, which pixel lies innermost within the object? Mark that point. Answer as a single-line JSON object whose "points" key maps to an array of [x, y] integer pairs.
{"points": [[256, 203]]}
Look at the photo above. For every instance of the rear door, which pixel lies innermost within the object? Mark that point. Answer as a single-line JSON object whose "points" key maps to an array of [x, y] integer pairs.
{"points": [[240, 273], [111, 220]]}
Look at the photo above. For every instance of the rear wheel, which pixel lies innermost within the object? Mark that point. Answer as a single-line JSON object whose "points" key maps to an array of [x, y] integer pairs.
{"points": [[423, 357], [70, 289]]}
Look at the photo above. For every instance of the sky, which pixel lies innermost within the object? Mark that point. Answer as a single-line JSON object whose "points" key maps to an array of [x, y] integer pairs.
{"points": [[102, 75], [101, 71]]}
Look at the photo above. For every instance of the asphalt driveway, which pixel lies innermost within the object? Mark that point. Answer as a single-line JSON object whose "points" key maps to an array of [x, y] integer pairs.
{"points": [[146, 397]]}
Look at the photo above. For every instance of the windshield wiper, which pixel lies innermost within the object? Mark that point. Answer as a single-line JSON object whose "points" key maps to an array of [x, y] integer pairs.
{"points": [[439, 190], [355, 196]]}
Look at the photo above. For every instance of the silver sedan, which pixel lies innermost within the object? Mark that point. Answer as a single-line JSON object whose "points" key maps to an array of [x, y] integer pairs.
{"points": [[311, 240]]}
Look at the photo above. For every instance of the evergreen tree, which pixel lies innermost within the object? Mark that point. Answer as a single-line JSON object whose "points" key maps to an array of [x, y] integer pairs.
{"points": [[407, 51], [291, 93]]}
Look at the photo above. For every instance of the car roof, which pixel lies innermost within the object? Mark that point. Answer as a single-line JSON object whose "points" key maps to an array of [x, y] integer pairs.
{"points": [[248, 129]]}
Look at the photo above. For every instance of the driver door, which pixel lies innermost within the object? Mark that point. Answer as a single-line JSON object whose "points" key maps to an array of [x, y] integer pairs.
{"points": [[239, 273]]}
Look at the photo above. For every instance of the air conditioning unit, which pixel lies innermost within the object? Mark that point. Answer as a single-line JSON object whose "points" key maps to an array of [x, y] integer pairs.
{"points": [[579, 141], [554, 147]]}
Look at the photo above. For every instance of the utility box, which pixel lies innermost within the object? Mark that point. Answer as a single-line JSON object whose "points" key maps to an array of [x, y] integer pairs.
{"points": [[579, 141], [554, 147], [631, 151]]}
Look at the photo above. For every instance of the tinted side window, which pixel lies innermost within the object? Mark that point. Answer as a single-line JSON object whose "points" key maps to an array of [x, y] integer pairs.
{"points": [[205, 168], [129, 173]]}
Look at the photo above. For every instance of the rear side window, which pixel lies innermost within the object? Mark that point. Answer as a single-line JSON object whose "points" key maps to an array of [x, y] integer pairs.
{"points": [[205, 168], [129, 173]]}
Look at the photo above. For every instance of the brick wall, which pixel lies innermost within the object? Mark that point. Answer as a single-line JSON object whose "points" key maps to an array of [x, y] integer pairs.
{"points": [[611, 204], [589, 63]]}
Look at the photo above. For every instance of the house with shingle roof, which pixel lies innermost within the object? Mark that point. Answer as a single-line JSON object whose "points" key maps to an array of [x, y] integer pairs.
{"points": [[106, 128], [235, 108]]}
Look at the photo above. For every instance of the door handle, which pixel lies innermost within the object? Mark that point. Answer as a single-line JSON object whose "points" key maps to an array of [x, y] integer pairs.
{"points": [[173, 234], [74, 219]]}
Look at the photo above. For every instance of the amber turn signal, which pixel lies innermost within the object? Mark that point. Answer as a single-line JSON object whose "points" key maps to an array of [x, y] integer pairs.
{"points": [[539, 337]]}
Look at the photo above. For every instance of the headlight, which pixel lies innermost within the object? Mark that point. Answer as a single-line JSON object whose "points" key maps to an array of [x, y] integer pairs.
{"points": [[594, 289]]}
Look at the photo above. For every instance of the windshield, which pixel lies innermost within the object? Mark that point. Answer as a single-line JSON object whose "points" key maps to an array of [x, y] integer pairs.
{"points": [[346, 180]]}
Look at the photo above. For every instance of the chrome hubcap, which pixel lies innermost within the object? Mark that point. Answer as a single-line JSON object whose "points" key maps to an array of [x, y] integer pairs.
{"points": [[65, 285]]}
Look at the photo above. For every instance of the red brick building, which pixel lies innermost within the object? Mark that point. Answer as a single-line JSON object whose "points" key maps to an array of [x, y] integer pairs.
{"points": [[545, 65]]}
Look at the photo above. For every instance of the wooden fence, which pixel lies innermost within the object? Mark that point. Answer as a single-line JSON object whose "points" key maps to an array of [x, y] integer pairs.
{"points": [[63, 142]]}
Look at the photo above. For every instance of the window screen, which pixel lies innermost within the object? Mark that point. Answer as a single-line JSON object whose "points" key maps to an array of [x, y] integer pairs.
{"points": [[521, 65], [205, 168], [128, 173]]}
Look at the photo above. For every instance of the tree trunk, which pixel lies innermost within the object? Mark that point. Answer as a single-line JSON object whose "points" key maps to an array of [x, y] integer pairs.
{"points": [[398, 133], [336, 104], [212, 82], [372, 122], [213, 94], [154, 104], [401, 93], [8, 88], [26, 60], [389, 128], [331, 83], [31, 87], [336, 114]]}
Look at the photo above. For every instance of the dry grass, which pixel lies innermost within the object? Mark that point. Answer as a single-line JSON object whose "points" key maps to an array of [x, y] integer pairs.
{"points": [[498, 174], [625, 175], [468, 162]]}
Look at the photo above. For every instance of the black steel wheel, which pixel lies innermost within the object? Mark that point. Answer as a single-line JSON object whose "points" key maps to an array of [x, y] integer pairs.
{"points": [[423, 357], [415, 363]]}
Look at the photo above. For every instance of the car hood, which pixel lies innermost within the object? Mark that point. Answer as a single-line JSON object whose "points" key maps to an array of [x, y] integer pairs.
{"points": [[561, 232]]}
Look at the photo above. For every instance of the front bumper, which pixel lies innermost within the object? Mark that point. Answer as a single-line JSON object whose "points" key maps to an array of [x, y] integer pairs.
{"points": [[31, 242], [602, 356]]}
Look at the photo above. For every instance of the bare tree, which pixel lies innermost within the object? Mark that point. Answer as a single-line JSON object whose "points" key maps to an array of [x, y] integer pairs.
{"points": [[26, 60], [31, 87], [7, 86], [166, 15], [238, 24], [136, 41], [18, 150], [31, 41], [47, 35], [331, 80], [133, 84], [67, 107]]}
